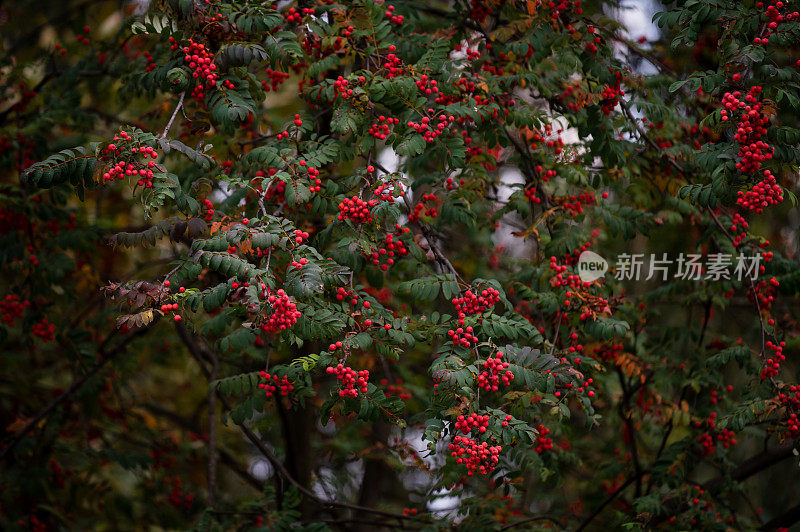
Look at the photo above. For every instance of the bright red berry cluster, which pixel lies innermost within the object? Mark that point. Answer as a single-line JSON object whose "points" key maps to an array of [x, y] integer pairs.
{"points": [[298, 264], [293, 15], [209, 208], [462, 335], [284, 315], [573, 205], [772, 366], [611, 95], [427, 86], [342, 87], [775, 17], [793, 427], [477, 457], [472, 421], [356, 210], [352, 381], [543, 443], [126, 164], [414, 216], [169, 307], [763, 194], [750, 129], [495, 372], [382, 128], [275, 383], [393, 64], [738, 223], [201, 61], [474, 303], [394, 19], [385, 256], [430, 130]]}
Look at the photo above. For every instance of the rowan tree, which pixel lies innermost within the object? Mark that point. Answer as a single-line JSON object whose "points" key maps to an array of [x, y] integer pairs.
{"points": [[316, 265]]}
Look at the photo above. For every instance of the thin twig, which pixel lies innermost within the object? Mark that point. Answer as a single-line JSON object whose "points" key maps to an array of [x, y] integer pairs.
{"points": [[174, 114]]}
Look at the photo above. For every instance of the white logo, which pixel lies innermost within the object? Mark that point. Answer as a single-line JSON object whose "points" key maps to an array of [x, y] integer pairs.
{"points": [[591, 266]]}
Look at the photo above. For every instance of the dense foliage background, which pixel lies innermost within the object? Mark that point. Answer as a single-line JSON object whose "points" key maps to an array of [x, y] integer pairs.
{"points": [[313, 265]]}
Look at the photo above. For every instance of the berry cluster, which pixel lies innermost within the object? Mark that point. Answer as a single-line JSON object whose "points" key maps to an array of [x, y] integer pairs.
{"points": [[573, 205], [124, 154], [353, 382], [462, 335], [763, 194], [12, 308], [394, 19], [791, 397], [83, 39], [356, 210], [385, 256], [44, 330], [275, 383], [473, 303], [396, 390], [495, 371], [393, 64], [476, 421], [773, 364], [750, 129], [276, 78], [298, 264], [477, 457], [285, 313], [209, 208], [420, 207], [342, 87], [611, 95], [591, 47], [382, 128], [543, 443], [765, 292], [427, 86], [176, 496], [201, 61], [34, 524], [293, 15], [169, 307], [709, 438], [775, 18], [738, 222], [300, 236], [385, 191], [342, 293], [313, 176], [429, 130], [559, 279], [335, 346], [793, 427]]}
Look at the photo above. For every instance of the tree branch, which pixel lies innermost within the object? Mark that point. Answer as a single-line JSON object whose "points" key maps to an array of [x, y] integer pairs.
{"points": [[201, 354], [105, 358]]}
